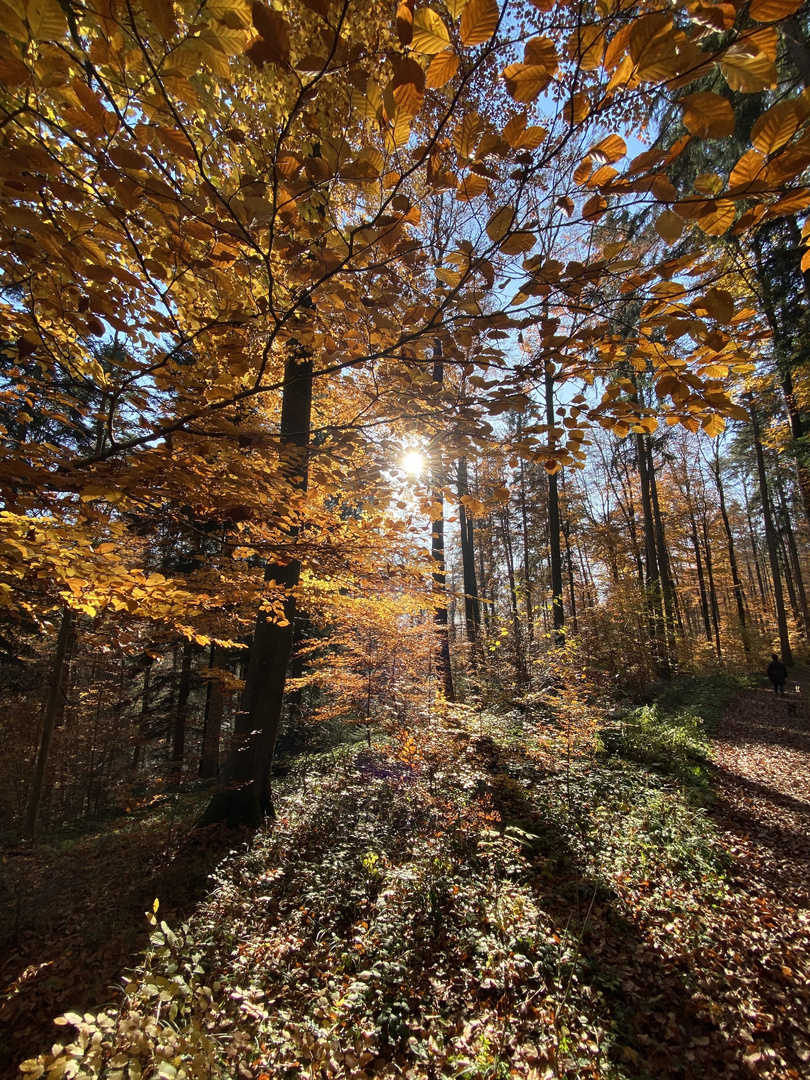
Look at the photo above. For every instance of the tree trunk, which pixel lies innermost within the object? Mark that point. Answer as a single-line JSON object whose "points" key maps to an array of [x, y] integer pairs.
{"points": [[770, 543], [181, 713], [520, 659], [444, 671], [248, 797], [554, 548], [212, 724], [472, 607], [56, 693], [653, 582], [732, 557]]}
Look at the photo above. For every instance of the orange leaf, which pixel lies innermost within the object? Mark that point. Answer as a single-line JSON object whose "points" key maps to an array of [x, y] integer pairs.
{"points": [[478, 22], [708, 115]]}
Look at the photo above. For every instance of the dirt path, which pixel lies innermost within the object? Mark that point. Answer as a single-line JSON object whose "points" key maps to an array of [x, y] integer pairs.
{"points": [[756, 966]]}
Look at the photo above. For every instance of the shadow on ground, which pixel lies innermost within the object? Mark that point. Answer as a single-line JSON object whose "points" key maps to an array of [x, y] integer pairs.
{"points": [[72, 918]]}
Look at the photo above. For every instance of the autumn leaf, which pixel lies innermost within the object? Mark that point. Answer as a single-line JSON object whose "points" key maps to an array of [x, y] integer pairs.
{"points": [[500, 223], [479, 20], [430, 35], [668, 226], [708, 115], [442, 69]]}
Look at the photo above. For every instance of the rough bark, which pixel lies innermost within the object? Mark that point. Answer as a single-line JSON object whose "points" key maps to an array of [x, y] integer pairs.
{"points": [[247, 798], [770, 544], [56, 692]]}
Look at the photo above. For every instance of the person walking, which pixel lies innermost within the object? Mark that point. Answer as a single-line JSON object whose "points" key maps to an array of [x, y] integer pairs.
{"points": [[777, 673]]}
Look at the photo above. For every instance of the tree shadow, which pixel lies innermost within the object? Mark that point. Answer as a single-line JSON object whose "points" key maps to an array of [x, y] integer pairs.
{"points": [[651, 1002], [72, 919]]}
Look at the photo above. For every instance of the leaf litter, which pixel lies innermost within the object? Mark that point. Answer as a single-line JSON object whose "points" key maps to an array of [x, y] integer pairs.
{"points": [[477, 907]]}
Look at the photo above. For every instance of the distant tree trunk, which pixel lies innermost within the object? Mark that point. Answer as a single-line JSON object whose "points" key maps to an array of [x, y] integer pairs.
{"points": [[181, 714], [554, 548], [472, 607], [662, 556], [527, 577], [732, 556], [212, 723], [770, 543], [520, 659], [653, 581], [56, 693], [444, 670], [713, 605], [141, 731], [793, 559], [763, 597], [247, 800]]}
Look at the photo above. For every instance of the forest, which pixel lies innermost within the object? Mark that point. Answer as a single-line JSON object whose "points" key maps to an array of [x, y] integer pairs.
{"points": [[405, 482]]}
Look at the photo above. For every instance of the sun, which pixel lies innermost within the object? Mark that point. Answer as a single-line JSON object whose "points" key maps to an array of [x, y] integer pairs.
{"points": [[414, 463]]}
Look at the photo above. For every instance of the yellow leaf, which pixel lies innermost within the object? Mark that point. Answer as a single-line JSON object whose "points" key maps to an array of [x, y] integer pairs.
{"points": [[500, 223], [525, 82], [541, 52], [471, 187], [455, 7], [466, 135], [610, 149], [46, 20], [514, 128], [478, 22], [668, 226], [717, 218], [442, 68], [708, 115], [594, 208], [746, 73], [772, 10], [714, 425], [408, 87], [429, 32], [748, 170], [519, 243], [775, 127], [719, 304]]}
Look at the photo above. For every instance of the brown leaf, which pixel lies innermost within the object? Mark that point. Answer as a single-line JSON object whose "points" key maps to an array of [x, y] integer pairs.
{"points": [[478, 22], [708, 115]]}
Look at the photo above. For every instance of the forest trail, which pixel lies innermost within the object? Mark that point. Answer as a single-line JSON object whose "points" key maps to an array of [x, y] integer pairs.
{"points": [[757, 962]]}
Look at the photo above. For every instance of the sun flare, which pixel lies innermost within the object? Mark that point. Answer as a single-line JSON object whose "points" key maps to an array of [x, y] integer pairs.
{"points": [[413, 463]]}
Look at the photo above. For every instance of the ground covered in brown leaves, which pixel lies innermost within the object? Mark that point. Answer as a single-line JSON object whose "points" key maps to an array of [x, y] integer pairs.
{"points": [[755, 971], [475, 910]]}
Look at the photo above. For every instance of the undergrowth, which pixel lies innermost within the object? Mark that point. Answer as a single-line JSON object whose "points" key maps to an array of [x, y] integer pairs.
{"points": [[478, 909], [671, 732]]}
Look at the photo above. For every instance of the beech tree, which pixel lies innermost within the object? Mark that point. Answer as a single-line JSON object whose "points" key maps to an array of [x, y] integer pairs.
{"points": [[233, 194]]}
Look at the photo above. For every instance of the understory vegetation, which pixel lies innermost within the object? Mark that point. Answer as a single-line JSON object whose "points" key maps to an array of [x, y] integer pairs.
{"points": [[491, 902]]}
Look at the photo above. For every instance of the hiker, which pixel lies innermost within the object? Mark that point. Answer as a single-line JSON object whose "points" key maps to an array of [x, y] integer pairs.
{"points": [[777, 673]]}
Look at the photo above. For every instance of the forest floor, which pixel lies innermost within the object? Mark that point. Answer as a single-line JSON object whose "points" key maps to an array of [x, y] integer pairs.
{"points": [[474, 909]]}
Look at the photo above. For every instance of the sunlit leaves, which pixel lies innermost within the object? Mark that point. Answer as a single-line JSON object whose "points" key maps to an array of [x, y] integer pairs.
{"points": [[479, 20], [408, 86], [45, 19], [718, 303], [405, 22], [775, 127], [668, 226], [442, 69], [500, 223], [525, 82], [467, 134], [773, 10], [747, 72], [272, 46], [708, 115], [429, 32], [609, 149]]}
